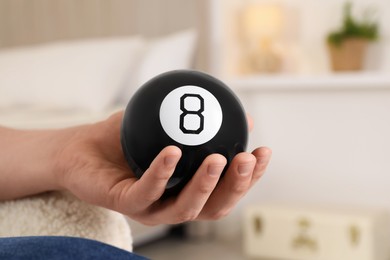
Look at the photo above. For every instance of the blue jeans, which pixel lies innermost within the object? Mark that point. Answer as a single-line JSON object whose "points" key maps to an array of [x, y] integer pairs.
{"points": [[51, 247]]}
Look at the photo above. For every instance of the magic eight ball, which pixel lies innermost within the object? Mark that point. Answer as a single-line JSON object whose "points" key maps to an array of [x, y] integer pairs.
{"points": [[189, 109]]}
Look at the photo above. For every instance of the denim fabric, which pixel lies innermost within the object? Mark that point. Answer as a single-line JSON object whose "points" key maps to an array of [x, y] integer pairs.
{"points": [[51, 247]]}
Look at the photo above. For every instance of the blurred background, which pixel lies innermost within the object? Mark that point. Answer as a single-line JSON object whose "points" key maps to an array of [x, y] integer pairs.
{"points": [[314, 75]]}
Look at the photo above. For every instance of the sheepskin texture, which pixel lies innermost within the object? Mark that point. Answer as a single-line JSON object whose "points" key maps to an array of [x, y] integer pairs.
{"points": [[62, 214]]}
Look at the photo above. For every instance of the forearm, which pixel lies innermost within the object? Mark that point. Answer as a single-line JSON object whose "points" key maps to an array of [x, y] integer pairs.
{"points": [[28, 161]]}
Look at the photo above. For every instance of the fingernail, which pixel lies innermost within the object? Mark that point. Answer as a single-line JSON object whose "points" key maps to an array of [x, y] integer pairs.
{"points": [[214, 170], [244, 169], [170, 161]]}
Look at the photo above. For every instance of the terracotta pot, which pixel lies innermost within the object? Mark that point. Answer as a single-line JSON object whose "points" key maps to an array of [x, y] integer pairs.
{"points": [[349, 55]]}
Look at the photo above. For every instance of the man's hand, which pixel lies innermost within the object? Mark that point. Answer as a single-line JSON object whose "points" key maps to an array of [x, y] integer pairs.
{"points": [[93, 167]]}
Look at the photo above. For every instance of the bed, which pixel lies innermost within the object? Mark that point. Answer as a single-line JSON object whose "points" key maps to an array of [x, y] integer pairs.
{"points": [[64, 63]]}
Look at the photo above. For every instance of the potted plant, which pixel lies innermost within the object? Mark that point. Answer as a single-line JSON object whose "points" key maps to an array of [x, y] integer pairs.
{"points": [[347, 45]]}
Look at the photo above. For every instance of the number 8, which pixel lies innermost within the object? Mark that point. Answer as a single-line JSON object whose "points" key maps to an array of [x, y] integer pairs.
{"points": [[187, 112]]}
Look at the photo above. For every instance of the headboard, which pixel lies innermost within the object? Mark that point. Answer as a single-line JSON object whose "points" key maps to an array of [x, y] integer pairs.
{"points": [[25, 22]]}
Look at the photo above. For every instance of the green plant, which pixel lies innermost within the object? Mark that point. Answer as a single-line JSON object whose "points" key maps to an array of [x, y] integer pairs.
{"points": [[352, 28]]}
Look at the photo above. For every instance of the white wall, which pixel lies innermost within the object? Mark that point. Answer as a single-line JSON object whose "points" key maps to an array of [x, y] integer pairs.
{"points": [[330, 147]]}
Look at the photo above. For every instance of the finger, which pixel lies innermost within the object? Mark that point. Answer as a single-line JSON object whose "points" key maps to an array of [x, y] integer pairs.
{"points": [[117, 116], [113, 122], [194, 196], [232, 187], [150, 187], [263, 156], [250, 122]]}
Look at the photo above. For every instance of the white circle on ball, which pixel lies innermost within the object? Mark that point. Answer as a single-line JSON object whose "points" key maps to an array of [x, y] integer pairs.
{"points": [[191, 115]]}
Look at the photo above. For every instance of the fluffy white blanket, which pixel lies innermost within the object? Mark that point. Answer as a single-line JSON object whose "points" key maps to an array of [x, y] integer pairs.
{"points": [[61, 214]]}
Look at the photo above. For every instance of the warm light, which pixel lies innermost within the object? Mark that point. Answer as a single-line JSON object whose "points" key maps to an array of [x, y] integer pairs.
{"points": [[261, 25], [262, 20]]}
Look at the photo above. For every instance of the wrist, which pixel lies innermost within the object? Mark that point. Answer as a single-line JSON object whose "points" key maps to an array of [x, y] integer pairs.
{"points": [[66, 156], [43, 150]]}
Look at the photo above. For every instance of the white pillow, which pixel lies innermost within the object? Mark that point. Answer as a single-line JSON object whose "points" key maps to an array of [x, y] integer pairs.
{"points": [[171, 52], [84, 74]]}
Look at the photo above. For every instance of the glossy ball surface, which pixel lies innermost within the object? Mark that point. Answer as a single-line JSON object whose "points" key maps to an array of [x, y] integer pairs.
{"points": [[189, 109]]}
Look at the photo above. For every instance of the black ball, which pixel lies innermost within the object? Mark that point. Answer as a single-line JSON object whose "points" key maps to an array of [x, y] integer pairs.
{"points": [[189, 109]]}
